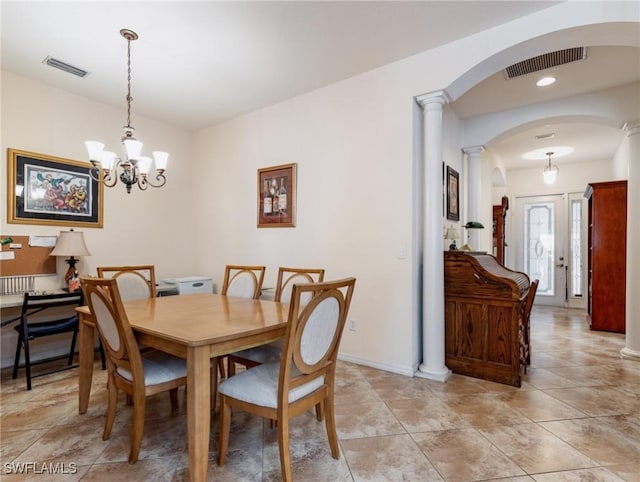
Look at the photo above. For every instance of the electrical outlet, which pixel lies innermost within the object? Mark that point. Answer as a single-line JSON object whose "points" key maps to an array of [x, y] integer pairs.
{"points": [[353, 325]]}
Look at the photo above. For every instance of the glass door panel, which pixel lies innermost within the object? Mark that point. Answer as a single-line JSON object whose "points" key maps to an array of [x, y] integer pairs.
{"points": [[540, 250]]}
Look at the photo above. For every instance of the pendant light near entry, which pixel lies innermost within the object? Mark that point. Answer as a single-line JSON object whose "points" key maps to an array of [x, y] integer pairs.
{"points": [[550, 171]]}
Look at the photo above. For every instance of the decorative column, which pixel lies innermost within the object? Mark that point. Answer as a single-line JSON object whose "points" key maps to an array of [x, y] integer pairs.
{"points": [[632, 328], [432, 365], [474, 192]]}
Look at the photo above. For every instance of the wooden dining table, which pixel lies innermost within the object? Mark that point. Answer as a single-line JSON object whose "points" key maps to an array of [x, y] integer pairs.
{"points": [[196, 327]]}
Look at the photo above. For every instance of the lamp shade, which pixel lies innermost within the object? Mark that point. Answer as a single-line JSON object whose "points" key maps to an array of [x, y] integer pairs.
{"points": [[452, 233], [70, 243], [549, 174]]}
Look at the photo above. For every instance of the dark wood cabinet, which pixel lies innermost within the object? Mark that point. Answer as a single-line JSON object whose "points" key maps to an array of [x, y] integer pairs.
{"points": [[606, 252], [499, 222], [485, 311]]}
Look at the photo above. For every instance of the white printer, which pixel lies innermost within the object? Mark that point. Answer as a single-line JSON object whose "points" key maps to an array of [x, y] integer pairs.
{"points": [[193, 284]]}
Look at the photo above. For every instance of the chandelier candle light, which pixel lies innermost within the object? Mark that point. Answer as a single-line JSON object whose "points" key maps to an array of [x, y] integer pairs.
{"points": [[134, 168]]}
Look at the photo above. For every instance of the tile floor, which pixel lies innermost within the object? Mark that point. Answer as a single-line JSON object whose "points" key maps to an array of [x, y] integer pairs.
{"points": [[576, 418]]}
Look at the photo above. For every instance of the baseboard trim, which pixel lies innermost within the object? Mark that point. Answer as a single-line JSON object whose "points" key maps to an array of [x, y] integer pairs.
{"points": [[399, 369]]}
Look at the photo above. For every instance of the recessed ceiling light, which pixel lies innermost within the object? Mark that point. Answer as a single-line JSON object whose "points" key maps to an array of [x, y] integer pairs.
{"points": [[544, 81]]}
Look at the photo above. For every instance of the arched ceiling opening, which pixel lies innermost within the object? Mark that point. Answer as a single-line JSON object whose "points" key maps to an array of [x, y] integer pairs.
{"points": [[585, 108]]}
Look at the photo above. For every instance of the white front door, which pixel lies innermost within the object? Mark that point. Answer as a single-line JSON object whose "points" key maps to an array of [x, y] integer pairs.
{"points": [[540, 224]]}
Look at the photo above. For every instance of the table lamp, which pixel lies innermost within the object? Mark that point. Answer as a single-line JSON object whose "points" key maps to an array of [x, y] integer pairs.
{"points": [[71, 243], [452, 233]]}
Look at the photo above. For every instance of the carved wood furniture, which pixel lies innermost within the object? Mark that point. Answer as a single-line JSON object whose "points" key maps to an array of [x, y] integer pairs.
{"points": [[607, 248], [485, 309], [499, 224]]}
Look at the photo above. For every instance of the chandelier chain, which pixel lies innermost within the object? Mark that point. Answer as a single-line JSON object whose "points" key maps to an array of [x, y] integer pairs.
{"points": [[129, 99]]}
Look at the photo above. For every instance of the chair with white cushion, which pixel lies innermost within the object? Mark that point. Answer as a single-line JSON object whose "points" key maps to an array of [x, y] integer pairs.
{"points": [[138, 375], [134, 282], [243, 281], [305, 375], [287, 277]]}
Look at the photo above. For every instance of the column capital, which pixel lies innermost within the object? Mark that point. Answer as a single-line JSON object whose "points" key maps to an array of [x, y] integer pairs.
{"points": [[632, 127], [473, 150], [438, 97]]}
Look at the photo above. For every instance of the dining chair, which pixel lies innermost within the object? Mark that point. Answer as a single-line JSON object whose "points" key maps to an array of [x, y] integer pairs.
{"points": [[305, 375], [134, 282], [60, 317], [136, 374], [243, 281], [287, 277]]}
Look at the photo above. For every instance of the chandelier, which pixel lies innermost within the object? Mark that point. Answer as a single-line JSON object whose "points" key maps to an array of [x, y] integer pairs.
{"points": [[550, 171], [134, 168]]}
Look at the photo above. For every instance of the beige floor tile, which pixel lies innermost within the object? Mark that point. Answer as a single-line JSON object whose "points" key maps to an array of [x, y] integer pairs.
{"points": [[485, 410], [426, 415], [43, 472], [16, 442], [394, 457], [465, 455], [400, 387], [543, 378], [597, 401], [355, 391], [34, 415], [591, 475], [366, 420], [80, 444], [156, 470], [627, 472], [539, 406], [606, 440], [311, 458], [536, 450]]}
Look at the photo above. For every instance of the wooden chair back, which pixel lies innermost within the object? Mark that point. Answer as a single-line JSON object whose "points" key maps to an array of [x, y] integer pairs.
{"points": [[287, 277], [243, 281], [313, 335], [134, 282], [105, 302]]}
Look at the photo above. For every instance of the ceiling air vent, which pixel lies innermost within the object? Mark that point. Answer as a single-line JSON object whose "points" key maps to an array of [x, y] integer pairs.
{"points": [[59, 64], [546, 61]]}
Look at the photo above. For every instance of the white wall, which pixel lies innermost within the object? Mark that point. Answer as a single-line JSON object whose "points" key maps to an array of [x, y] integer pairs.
{"points": [[621, 161], [354, 202]]}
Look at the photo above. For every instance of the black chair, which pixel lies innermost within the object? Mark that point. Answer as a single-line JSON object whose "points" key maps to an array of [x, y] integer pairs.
{"points": [[63, 320]]}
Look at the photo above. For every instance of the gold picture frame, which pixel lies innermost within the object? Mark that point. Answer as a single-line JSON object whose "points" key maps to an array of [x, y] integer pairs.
{"points": [[277, 196], [52, 191]]}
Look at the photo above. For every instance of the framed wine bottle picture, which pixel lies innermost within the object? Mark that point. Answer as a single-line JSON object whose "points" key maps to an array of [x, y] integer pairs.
{"points": [[277, 196]]}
